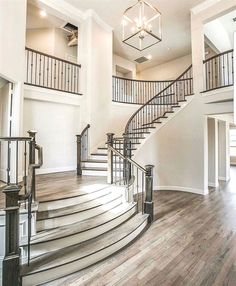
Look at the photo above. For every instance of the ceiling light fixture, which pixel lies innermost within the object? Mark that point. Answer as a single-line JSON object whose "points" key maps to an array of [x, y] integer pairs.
{"points": [[42, 13], [149, 57], [141, 26]]}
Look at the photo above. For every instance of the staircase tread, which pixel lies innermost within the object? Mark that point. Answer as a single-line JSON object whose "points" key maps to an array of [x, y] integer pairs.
{"points": [[79, 192], [76, 252], [94, 161], [68, 230], [94, 168], [78, 207]]}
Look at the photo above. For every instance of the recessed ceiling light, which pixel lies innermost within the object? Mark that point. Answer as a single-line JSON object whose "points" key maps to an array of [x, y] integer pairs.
{"points": [[42, 13], [149, 57]]}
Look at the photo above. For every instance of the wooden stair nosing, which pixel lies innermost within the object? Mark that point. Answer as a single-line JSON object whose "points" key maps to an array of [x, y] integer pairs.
{"points": [[53, 260]]}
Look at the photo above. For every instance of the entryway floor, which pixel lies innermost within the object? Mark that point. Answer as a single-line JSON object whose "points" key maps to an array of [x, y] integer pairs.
{"points": [[192, 242]]}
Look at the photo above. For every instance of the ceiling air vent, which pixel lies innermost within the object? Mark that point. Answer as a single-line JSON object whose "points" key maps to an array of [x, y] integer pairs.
{"points": [[141, 60], [69, 27]]}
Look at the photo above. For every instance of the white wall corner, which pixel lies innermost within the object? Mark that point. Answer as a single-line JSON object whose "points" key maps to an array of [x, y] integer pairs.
{"points": [[98, 20], [203, 6], [62, 8], [213, 184]]}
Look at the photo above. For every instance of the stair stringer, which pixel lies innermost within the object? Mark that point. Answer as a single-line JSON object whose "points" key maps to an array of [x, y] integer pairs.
{"points": [[163, 124]]}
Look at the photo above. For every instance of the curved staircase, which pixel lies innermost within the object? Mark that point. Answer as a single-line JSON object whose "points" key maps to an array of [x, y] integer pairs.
{"points": [[150, 116], [76, 232]]}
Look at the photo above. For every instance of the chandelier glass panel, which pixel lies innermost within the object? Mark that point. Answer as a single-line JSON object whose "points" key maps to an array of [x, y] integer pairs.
{"points": [[141, 25]]}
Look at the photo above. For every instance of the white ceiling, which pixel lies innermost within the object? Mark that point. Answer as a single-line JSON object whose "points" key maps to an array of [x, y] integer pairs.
{"points": [[225, 27], [176, 40], [35, 21]]}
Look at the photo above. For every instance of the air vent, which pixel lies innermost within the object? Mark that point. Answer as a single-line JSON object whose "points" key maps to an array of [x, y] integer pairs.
{"points": [[141, 60], [69, 27], [234, 19]]}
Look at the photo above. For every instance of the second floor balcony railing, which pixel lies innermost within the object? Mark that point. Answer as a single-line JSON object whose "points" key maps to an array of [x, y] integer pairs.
{"points": [[136, 91], [50, 72], [219, 71]]}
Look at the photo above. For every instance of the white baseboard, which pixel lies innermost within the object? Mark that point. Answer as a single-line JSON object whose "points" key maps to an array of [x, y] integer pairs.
{"points": [[224, 179], [214, 185], [181, 189], [55, 170]]}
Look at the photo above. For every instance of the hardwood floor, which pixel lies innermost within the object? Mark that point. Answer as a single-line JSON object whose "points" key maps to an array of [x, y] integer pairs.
{"points": [[192, 242], [61, 185]]}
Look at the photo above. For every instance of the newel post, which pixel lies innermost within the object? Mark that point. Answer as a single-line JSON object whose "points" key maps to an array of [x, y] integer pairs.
{"points": [[32, 143], [148, 204], [79, 167], [110, 137], [11, 261], [127, 154]]}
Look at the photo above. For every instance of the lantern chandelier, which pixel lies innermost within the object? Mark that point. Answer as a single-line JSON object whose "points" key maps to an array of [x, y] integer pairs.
{"points": [[141, 25]]}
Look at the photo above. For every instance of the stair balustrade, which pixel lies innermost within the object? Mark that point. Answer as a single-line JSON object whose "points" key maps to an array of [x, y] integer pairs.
{"points": [[136, 91], [82, 148], [159, 106], [124, 171], [43, 70], [219, 71], [20, 193]]}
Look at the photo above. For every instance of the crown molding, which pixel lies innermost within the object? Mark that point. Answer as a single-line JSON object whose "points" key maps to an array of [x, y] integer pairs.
{"points": [[91, 13], [203, 6]]}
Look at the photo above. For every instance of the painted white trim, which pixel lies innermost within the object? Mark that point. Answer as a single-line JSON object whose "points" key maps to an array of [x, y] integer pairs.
{"points": [[181, 189], [203, 6], [224, 179], [52, 96], [62, 7], [213, 185], [98, 20], [55, 170]]}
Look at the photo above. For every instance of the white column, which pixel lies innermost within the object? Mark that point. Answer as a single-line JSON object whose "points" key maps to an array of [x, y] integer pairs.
{"points": [[213, 152], [234, 78], [224, 155]]}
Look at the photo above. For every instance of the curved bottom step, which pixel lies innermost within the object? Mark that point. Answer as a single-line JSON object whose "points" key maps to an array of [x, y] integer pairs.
{"points": [[72, 259]]}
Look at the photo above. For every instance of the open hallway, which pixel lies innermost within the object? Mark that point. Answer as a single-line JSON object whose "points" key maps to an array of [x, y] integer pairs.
{"points": [[192, 242]]}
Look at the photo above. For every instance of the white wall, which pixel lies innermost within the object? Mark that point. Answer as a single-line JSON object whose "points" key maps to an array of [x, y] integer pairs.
{"points": [[56, 124], [224, 150], [4, 127], [166, 71], [125, 64], [12, 35], [51, 41], [212, 125], [177, 152]]}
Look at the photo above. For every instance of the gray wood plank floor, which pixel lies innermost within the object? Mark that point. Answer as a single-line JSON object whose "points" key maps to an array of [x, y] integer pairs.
{"points": [[192, 242]]}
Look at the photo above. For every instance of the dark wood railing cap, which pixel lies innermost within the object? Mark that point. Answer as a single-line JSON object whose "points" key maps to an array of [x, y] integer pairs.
{"points": [[218, 55], [53, 57]]}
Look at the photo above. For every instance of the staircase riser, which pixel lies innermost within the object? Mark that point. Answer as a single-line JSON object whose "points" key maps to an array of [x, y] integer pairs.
{"points": [[45, 247], [101, 151], [94, 173], [97, 157], [73, 218], [61, 271], [72, 201], [94, 164]]}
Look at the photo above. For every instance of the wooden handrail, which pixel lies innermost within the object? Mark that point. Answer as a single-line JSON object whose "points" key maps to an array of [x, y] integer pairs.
{"points": [[84, 130], [156, 96], [132, 162], [53, 57], [140, 80], [218, 55]]}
